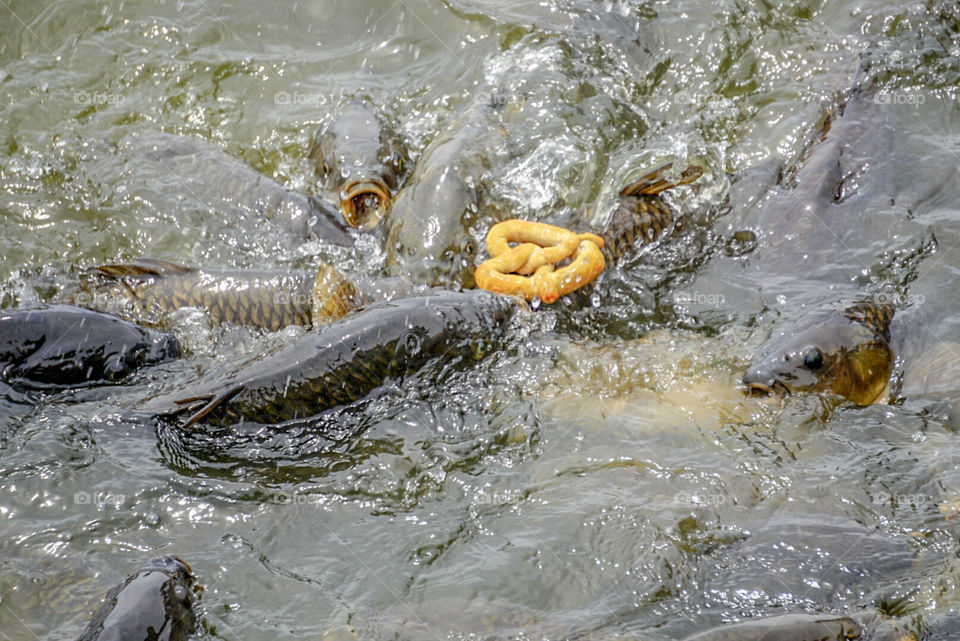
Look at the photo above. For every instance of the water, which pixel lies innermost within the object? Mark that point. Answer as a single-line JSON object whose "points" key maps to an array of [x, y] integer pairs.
{"points": [[604, 469]]}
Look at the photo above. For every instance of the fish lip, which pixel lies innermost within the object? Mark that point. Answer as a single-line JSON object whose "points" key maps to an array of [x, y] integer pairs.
{"points": [[184, 563], [352, 195], [775, 388]]}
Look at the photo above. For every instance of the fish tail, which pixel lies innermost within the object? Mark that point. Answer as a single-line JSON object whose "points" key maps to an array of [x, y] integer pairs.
{"points": [[653, 182]]}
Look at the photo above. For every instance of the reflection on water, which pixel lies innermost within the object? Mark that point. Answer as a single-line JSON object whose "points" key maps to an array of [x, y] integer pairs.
{"points": [[603, 471]]}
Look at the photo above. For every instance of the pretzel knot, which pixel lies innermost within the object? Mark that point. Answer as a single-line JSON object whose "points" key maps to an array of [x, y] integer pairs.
{"points": [[529, 268]]}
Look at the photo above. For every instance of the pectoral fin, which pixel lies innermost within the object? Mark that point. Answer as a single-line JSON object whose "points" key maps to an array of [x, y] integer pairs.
{"points": [[213, 404]]}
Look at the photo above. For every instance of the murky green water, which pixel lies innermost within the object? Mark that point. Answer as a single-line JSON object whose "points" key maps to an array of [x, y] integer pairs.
{"points": [[605, 472]]}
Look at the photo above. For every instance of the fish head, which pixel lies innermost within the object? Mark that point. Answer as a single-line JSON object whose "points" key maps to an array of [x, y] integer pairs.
{"points": [[846, 354], [160, 347], [153, 347], [175, 593], [427, 230], [173, 566], [360, 158], [157, 597]]}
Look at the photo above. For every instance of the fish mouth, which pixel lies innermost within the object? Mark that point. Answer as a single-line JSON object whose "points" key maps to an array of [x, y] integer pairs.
{"points": [[774, 388], [363, 203], [184, 563]]}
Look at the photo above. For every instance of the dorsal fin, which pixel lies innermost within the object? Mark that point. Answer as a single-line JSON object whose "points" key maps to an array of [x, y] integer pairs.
{"points": [[876, 315], [652, 182], [144, 267]]}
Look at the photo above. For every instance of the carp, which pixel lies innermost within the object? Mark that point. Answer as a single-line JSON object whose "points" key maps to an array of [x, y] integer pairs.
{"points": [[65, 346], [345, 361], [225, 184], [843, 351], [155, 603], [146, 291], [361, 161]]}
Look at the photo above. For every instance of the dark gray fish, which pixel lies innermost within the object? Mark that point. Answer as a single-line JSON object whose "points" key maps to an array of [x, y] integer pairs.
{"points": [[361, 161], [64, 346], [148, 290], [155, 604], [221, 182], [814, 226], [427, 237], [345, 361], [843, 351], [477, 619], [786, 627]]}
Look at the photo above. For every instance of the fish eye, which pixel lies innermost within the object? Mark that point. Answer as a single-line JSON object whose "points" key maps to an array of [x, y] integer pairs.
{"points": [[479, 348], [469, 248], [325, 168], [813, 359]]}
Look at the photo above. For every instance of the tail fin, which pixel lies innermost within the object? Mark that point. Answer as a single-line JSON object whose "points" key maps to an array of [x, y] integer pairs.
{"points": [[652, 183]]}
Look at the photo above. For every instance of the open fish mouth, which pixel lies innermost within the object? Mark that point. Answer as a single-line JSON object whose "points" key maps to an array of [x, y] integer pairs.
{"points": [[184, 563], [363, 203], [776, 389]]}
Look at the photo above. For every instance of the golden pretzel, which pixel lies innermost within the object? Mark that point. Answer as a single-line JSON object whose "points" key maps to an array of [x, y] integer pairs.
{"points": [[541, 247]]}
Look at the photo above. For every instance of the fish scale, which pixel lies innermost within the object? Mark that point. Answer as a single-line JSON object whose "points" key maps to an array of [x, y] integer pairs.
{"points": [[641, 216], [345, 361], [148, 290]]}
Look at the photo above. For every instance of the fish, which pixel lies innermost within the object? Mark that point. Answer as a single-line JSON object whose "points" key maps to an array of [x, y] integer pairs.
{"points": [[147, 290], [785, 627], [478, 619], [153, 604], [64, 346], [345, 361], [821, 221], [845, 351], [359, 158], [427, 228], [641, 216], [226, 185]]}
